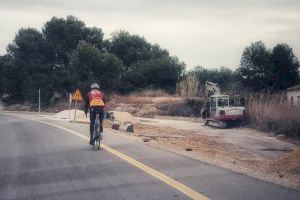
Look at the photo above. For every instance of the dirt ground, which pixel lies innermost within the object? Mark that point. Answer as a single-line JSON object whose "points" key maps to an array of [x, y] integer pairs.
{"points": [[242, 150], [66, 115]]}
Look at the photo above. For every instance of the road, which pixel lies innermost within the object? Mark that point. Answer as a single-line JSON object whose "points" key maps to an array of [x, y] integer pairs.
{"points": [[41, 161]]}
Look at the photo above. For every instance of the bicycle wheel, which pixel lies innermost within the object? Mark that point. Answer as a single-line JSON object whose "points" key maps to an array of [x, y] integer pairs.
{"points": [[97, 143], [97, 137]]}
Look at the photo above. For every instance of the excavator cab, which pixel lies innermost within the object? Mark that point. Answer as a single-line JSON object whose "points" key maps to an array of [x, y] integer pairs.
{"points": [[223, 101], [218, 105]]}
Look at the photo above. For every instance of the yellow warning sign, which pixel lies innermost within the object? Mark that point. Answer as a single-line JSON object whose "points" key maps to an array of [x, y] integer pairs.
{"points": [[77, 96]]}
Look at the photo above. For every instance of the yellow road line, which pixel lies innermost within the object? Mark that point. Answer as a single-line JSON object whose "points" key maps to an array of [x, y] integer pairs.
{"points": [[164, 178]]}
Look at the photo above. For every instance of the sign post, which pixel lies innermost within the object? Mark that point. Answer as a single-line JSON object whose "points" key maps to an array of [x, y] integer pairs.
{"points": [[76, 97], [70, 102], [75, 111]]}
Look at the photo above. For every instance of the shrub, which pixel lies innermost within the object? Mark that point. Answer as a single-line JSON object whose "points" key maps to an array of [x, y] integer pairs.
{"points": [[272, 112], [188, 108]]}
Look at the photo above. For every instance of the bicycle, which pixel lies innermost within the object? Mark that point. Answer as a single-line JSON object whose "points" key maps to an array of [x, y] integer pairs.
{"points": [[98, 133]]}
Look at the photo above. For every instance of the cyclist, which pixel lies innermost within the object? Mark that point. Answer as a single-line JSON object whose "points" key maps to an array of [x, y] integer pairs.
{"points": [[95, 102]]}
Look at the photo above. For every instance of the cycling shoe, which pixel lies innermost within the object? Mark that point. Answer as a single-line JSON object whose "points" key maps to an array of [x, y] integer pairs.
{"points": [[92, 142]]}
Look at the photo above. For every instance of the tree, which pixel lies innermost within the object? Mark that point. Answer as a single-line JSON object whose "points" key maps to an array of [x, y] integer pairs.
{"points": [[94, 36], [2, 62], [27, 45], [145, 65], [255, 68], [134, 48], [66, 54], [29, 51], [89, 64], [262, 69], [224, 77], [10, 78], [63, 36], [162, 73], [285, 67]]}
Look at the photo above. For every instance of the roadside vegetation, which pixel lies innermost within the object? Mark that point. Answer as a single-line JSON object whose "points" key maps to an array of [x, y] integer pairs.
{"points": [[66, 54], [272, 113]]}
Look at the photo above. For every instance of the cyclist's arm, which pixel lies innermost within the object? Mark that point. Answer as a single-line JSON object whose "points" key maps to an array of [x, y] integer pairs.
{"points": [[104, 99], [86, 105]]}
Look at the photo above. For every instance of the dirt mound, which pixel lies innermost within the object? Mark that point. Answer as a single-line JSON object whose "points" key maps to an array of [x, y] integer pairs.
{"points": [[148, 110], [65, 114], [124, 117], [289, 163]]}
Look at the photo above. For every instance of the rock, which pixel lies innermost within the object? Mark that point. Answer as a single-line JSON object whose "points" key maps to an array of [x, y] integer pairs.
{"points": [[188, 149], [280, 136], [146, 140], [127, 128], [115, 125], [271, 134], [281, 175]]}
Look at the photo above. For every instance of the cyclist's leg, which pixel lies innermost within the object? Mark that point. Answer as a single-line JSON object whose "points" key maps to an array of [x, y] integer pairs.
{"points": [[101, 117], [104, 114], [92, 124]]}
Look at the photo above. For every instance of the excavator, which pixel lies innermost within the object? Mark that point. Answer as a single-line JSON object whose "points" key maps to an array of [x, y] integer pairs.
{"points": [[216, 110]]}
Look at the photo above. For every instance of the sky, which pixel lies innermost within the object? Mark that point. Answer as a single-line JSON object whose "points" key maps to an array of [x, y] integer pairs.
{"points": [[199, 32]]}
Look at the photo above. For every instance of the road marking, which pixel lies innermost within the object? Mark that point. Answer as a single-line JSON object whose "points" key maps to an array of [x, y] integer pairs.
{"points": [[164, 178]]}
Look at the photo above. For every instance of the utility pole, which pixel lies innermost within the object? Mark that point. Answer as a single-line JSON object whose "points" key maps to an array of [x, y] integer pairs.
{"points": [[39, 100]]}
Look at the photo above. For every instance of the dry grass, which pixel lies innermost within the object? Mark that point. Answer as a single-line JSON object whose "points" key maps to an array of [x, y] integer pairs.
{"points": [[145, 97], [117, 99], [151, 93], [149, 106], [271, 112], [188, 86], [129, 99]]}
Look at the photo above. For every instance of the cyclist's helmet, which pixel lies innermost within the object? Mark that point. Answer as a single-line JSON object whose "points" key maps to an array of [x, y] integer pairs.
{"points": [[95, 86]]}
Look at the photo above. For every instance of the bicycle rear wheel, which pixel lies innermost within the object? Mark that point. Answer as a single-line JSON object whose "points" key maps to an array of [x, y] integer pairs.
{"points": [[97, 143], [97, 138]]}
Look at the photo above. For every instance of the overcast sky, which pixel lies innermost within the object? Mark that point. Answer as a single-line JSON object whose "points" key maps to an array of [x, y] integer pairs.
{"points": [[200, 32]]}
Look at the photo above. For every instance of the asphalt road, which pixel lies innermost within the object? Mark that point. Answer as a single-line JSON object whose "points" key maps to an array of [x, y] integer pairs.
{"points": [[39, 161]]}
